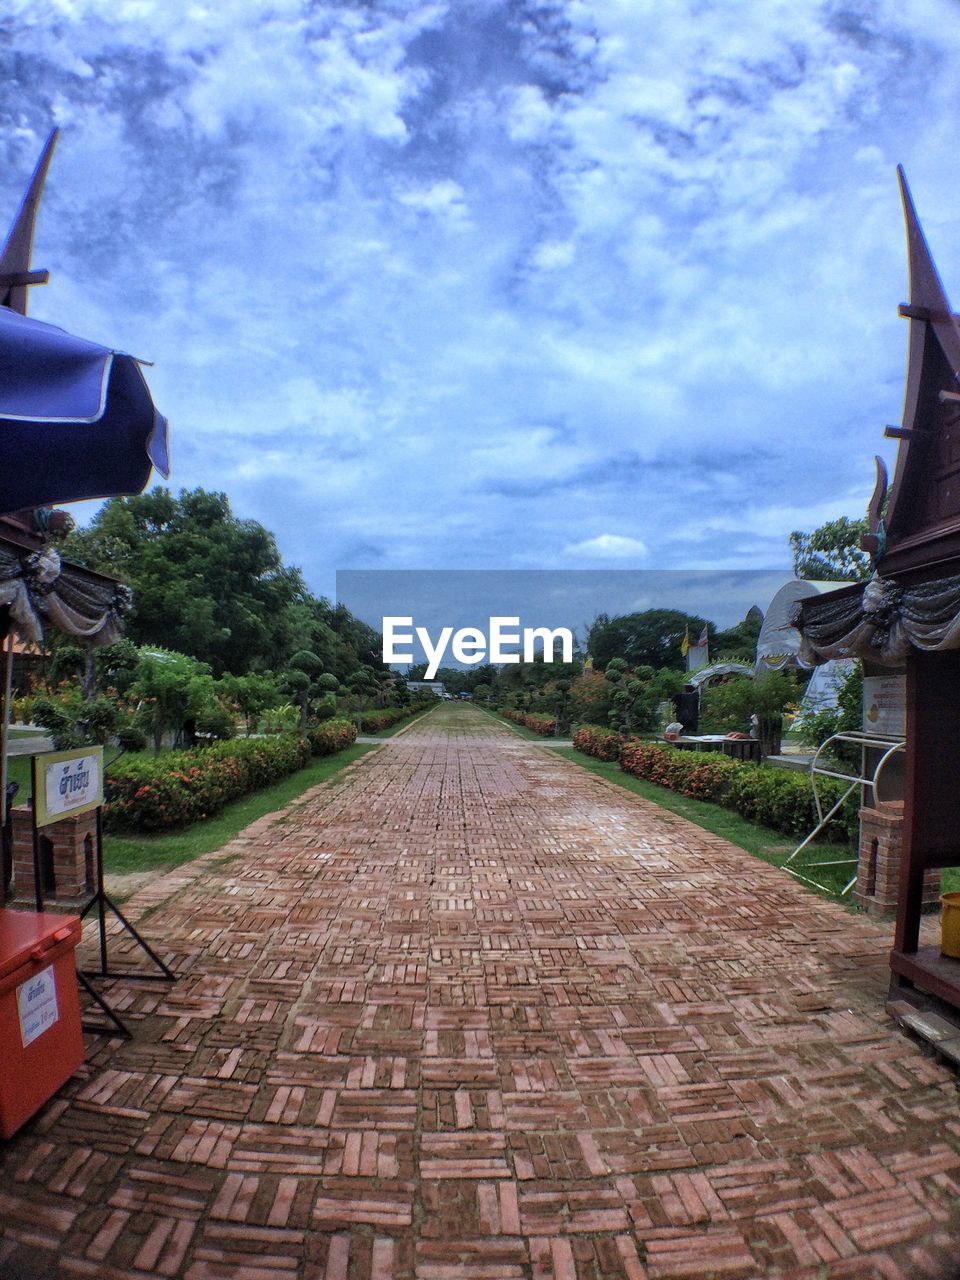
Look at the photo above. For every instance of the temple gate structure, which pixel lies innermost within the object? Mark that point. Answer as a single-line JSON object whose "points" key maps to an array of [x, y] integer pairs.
{"points": [[908, 615]]}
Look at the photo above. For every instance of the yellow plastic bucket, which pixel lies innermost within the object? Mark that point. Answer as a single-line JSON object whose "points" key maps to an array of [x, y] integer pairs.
{"points": [[950, 925]]}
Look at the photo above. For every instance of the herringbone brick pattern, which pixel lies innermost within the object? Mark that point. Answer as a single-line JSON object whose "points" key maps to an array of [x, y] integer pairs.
{"points": [[472, 1014]]}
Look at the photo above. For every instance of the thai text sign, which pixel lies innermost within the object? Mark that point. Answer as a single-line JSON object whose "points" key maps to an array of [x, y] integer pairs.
{"points": [[37, 1005], [884, 705], [67, 783]]}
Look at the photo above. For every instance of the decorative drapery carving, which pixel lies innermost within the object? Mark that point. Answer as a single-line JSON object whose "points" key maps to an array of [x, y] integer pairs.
{"points": [[38, 588], [883, 622]]}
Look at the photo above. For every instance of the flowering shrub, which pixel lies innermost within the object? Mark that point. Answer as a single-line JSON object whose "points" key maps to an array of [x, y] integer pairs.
{"points": [[700, 776], [774, 798], [331, 736], [594, 741], [546, 726], [374, 721], [186, 786]]}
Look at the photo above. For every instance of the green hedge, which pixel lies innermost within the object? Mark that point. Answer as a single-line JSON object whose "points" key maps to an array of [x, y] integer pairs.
{"points": [[155, 793], [546, 726], [387, 717], [593, 740], [775, 798], [332, 735]]}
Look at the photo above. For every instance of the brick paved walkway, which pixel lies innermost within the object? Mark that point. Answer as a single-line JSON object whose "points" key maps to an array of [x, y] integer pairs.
{"points": [[470, 1012]]}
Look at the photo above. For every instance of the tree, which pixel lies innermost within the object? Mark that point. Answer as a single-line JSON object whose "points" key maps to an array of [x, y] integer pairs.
{"points": [[325, 705], [651, 638], [634, 706], [454, 679], [831, 553], [846, 716], [214, 587], [300, 680], [116, 664], [365, 684], [738, 642], [728, 705], [252, 693], [205, 583], [616, 670], [590, 698], [162, 686], [75, 721]]}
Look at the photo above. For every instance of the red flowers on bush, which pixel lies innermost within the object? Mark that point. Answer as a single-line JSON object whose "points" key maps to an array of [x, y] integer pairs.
{"points": [[546, 726], [185, 786], [331, 736], [593, 740], [387, 717], [774, 798]]}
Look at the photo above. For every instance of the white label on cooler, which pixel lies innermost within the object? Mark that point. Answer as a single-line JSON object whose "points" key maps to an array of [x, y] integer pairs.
{"points": [[37, 1005]]}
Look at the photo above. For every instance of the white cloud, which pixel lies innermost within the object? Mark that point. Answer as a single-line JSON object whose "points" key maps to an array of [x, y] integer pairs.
{"points": [[608, 546], [443, 200], [459, 271]]}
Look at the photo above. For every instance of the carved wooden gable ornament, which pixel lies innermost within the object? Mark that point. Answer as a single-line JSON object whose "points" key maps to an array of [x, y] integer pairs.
{"points": [[923, 514], [913, 600]]}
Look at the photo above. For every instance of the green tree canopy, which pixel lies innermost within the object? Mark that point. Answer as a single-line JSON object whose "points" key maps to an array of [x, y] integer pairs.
{"points": [[737, 642], [651, 638], [214, 587], [205, 583], [831, 553], [169, 687]]}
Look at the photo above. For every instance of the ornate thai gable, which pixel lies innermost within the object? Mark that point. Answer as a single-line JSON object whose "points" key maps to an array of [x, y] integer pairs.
{"points": [[922, 524]]}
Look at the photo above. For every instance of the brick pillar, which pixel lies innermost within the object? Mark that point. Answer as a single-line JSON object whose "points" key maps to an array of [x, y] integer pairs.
{"points": [[878, 866], [67, 857]]}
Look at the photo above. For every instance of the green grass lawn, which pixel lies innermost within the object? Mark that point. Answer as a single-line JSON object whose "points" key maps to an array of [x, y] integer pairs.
{"points": [[18, 770]]}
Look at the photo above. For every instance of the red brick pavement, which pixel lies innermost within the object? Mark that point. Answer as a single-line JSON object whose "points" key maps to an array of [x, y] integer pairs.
{"points": [[471, 1014]]}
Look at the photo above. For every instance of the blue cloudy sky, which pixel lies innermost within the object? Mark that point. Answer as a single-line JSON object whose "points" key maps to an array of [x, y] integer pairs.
{"points": [[497, 283]]}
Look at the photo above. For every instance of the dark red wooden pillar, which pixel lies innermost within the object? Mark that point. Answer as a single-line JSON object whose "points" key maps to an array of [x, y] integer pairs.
{"points": [[931, 834]]}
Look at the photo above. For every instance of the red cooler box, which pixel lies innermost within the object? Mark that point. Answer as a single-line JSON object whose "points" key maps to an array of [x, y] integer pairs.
{"points": [[41, 1043]]}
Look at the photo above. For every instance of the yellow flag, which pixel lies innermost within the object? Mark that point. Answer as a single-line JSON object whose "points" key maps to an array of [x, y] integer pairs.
{"points": [[685, 643]]}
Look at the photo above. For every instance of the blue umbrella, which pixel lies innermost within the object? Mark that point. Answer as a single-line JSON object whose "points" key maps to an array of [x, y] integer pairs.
{"points": [[76, 419]]}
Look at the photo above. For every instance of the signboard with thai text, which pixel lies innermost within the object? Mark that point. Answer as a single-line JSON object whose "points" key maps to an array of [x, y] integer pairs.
{"points": [[884, 705], [66, 783]]}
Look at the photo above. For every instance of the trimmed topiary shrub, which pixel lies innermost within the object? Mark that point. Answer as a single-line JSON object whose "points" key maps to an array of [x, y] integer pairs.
{"points": [[593, 740], [332, 736]]}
